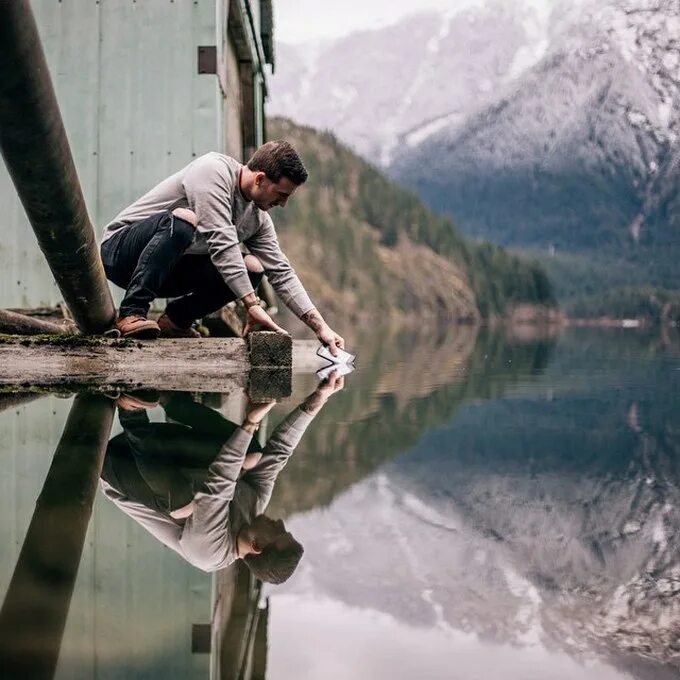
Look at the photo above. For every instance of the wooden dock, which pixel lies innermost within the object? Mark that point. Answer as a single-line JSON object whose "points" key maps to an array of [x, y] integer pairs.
{"points": [[264, 362]]}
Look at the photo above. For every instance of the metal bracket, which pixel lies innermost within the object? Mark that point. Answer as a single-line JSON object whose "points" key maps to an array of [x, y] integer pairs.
{"points": [[207, 59]]}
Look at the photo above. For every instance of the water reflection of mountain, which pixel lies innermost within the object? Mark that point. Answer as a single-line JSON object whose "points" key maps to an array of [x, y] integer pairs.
{"points": [[405, 385], [550, 520]]}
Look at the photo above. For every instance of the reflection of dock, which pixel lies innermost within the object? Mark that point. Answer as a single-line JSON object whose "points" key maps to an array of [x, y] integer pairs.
{"points": [[239, 627], [34, 637]]}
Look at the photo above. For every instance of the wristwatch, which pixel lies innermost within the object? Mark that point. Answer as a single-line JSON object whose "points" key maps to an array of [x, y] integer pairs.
{"points": [[253, 424], [252, 303]]}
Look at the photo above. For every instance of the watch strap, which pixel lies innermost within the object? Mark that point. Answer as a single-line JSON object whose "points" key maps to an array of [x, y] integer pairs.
{"points": [[252, 303]]}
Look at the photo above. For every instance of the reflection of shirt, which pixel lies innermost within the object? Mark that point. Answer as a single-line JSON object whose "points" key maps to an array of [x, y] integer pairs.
{"points": [[209, 187], [225, 502]]}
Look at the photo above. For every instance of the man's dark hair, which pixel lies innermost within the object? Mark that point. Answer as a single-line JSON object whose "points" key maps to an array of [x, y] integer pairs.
{"points": [[278, 159], [273, 565]]}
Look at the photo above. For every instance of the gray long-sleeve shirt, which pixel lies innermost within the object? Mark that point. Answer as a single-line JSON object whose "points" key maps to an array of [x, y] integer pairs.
{"points": [[207, 539], [209, 186]]}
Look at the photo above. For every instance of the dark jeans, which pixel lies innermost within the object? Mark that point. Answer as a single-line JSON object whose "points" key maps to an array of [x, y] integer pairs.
{"points": [[162, 465], [147, 259]]}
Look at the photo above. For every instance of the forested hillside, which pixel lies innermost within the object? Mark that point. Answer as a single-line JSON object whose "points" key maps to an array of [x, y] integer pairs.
{"points": [[367, 247]]}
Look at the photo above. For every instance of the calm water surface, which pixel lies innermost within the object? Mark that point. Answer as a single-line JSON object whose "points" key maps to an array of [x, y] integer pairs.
{"points": [[470, 508]]}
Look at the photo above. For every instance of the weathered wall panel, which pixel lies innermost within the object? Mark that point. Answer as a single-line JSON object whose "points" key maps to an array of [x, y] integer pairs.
{"points": [[134, 599], [134, 107], [69, 33], [233, 133], [158, 113]]}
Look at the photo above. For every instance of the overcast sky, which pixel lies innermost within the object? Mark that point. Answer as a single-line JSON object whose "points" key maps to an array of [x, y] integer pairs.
{"points": [[304, 20]]}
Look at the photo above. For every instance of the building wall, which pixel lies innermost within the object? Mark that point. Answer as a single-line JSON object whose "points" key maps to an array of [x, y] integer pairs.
{"points": [[233, 105], [134, 107]]}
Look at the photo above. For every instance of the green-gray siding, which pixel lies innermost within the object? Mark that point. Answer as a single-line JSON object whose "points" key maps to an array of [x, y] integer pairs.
{"points": [[135, 110]]}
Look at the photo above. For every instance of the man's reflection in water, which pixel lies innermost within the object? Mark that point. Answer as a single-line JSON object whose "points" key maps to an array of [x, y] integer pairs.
{"points": [[201, 483]]}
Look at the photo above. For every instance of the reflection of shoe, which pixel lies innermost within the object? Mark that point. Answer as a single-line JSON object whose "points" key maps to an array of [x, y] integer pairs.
{"points": [[137, 326], [139, 400], [169, 329]]}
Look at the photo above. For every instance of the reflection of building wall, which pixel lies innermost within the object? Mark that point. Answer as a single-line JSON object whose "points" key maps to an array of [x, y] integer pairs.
{"points": [[134, 601], [137, 608], [239, 631], [26, 453], [136, 108]]}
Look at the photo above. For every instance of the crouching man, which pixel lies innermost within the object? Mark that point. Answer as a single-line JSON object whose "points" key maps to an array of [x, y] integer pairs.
{"points": [[181, 240]]}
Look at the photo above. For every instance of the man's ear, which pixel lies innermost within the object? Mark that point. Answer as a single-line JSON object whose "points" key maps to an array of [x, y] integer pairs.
{"points": [[259, 178], [255, 546]]}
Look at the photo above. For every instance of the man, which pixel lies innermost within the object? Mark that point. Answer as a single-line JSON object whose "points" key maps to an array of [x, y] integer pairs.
{"points": [[181, 240], [201, 484]]}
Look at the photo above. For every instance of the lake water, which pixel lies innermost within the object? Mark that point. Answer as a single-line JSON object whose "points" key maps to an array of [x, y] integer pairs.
{"points": [[469, 507]]}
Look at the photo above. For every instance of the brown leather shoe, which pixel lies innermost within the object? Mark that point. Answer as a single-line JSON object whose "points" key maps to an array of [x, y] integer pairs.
{"points": [[169, 329], [136, 326]]}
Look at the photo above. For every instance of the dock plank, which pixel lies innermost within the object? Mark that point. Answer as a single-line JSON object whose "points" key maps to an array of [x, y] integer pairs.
{"points": [[205, 364]]}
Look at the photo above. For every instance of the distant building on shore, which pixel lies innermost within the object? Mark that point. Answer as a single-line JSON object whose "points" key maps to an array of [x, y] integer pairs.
{"points": [[144, 86]]}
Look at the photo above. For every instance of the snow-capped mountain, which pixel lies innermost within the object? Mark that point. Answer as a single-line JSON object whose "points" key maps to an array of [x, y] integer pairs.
{"points": [[582, 150], [406, 81], [553, 126]]}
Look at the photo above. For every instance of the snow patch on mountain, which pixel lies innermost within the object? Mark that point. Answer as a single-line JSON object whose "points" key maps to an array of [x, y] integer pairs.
{"points": [[597, 117], [537, 28], [421, 133]]}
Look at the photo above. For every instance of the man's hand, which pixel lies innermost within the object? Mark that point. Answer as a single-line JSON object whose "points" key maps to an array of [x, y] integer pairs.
{"points": [[324, 332], [321, 394], [256, 316], [329, 337], [255, 413], [133, 402], [334, 383]]}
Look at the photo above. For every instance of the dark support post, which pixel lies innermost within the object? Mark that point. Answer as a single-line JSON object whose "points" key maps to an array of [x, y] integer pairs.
{"points": [[33, 615], [37, 154]]}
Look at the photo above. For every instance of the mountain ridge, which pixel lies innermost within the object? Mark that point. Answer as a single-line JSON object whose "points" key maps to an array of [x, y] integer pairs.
{"points": [[367, 247], [581, 156], [556, 133]]}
